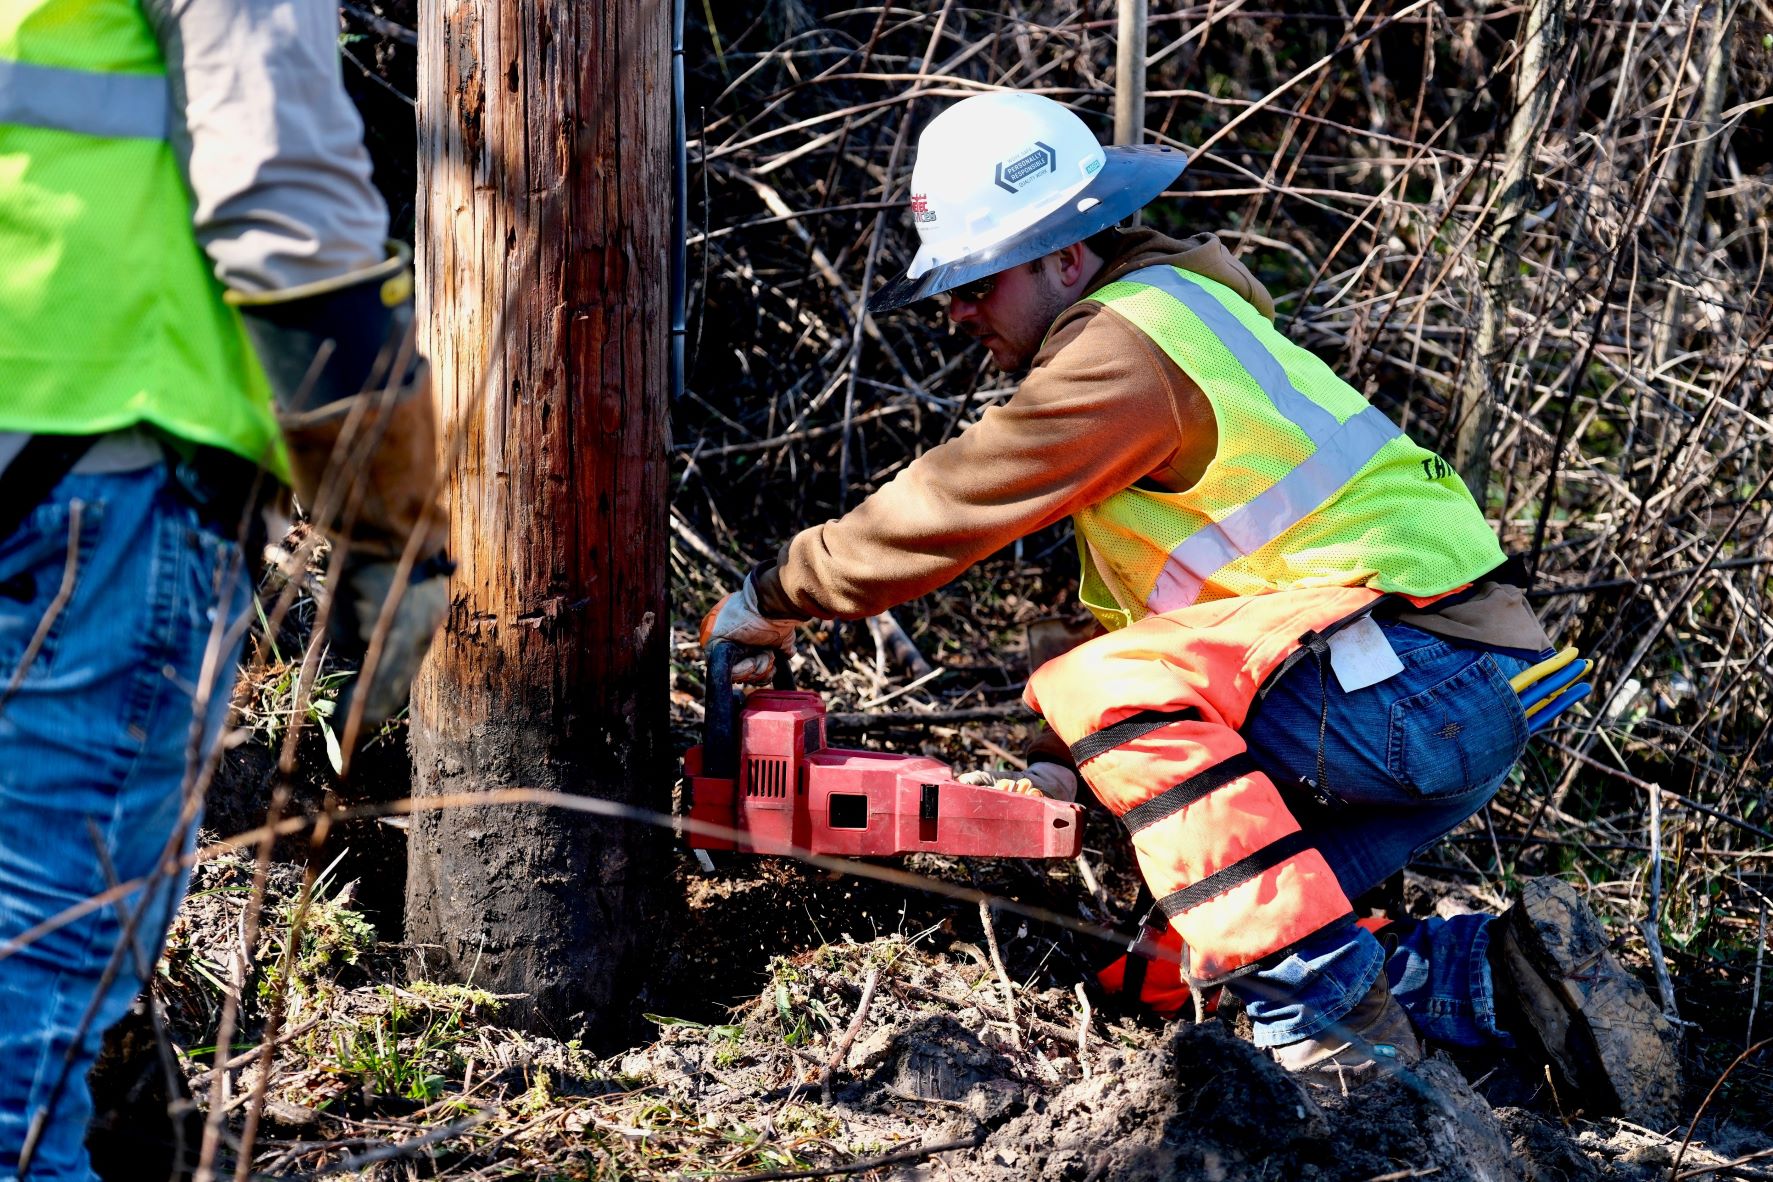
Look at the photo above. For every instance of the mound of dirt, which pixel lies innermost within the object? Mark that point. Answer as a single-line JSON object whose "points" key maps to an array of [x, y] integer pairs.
{"points": [[1209, 1106], [931, 1066]]}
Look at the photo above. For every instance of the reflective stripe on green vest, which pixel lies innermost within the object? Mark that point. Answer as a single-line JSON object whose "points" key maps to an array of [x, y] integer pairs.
{"points": [[110, 313], [1310, 485]]}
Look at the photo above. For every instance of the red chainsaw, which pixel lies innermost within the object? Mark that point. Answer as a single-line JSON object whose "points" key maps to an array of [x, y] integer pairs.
{"points": [[764, 769]]}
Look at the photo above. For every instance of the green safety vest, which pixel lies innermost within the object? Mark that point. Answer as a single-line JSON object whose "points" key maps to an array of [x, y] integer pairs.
{"points": [[1310, 487], [110, 314]]}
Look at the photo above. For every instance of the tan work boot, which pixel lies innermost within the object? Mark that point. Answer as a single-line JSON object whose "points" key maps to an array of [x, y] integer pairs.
{"points": [[1560, 991], [1375, 1029]]}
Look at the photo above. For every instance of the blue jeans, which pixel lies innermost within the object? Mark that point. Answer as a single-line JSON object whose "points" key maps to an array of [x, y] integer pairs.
{"points": [[1402, 764], [100, 739]]}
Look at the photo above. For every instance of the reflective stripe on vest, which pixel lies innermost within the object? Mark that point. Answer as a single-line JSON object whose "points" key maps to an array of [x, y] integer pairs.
{"points": [[1170, 801], [117, 106], [1308, 416], [1310, 485], [1339, 457]]}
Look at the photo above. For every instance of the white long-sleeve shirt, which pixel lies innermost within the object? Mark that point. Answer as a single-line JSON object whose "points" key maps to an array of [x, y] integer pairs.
{"points": [[268, 140]]}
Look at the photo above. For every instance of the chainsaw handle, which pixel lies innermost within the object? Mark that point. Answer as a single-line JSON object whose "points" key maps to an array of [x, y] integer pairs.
{"points": [[721, 700]]}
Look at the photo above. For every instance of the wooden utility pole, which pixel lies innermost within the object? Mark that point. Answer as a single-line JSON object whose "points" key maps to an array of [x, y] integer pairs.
{"points": [[1129, 72], [545, 149], [1129, 77]]}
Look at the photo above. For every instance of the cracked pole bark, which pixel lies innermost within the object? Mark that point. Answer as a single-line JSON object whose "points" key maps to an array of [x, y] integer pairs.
{"points": [[544, 265]]}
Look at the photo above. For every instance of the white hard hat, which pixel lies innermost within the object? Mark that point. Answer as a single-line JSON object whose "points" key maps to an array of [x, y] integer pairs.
{"points": [[1003, 178]]}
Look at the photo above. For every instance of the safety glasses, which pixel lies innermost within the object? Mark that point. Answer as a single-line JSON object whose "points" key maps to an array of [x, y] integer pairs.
{"points": [[973, 291]]}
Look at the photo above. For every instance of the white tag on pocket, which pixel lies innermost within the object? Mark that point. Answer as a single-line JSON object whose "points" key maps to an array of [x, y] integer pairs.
{"points": [[1361, 656]]}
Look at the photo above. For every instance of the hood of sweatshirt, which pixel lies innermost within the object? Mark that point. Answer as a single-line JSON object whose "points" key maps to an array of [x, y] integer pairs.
{"points": [[1202, 254]]}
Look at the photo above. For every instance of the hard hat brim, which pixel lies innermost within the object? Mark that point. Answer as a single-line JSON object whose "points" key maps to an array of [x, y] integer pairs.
{"points": [[1130, 179]]}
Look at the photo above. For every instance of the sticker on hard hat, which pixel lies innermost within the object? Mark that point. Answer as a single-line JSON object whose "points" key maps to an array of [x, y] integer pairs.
{"points": [[920, 209], [1012, 173]]}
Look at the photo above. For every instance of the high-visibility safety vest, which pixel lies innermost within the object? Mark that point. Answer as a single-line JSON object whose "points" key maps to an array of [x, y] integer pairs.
{"points": [[1310, 487], [110, 314], [1314, 507]]}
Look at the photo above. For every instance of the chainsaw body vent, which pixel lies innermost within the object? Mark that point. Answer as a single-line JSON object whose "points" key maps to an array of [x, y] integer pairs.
{"points": [[766, 776]]}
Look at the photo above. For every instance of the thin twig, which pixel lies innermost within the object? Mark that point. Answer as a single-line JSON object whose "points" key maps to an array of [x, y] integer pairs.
{"points": [[1083, 1028], [1653, 912], [1003, 977], [381, 24], [64, 591], [1754, 1003], [1674, 1171], [1757, 1155], [849, 1036], [399, 1149]]}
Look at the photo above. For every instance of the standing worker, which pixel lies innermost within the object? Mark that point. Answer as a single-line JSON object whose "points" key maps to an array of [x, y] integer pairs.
{"points": [[196, 291], [1253, 534]]}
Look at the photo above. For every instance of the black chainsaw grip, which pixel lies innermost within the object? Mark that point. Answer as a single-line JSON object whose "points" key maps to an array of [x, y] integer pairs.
{"points": [[721, 701]]}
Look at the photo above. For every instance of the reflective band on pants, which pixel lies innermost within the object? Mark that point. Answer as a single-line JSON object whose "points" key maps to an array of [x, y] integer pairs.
{"points": [[117, 106]]}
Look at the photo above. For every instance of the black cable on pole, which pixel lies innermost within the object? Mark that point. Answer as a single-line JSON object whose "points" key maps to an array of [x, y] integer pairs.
{"points": [[679, 206]]}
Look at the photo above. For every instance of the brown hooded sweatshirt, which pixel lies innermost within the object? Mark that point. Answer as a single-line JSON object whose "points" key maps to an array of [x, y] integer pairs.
{"points": [[1102, 408]]}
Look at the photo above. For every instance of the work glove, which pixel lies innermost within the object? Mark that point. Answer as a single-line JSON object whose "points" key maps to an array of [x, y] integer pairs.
{"points": [[1043, 779], [354, 404], [738, 619], [371, 503]]}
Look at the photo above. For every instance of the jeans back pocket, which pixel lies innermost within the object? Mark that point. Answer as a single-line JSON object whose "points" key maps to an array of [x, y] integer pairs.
{"points": [[1460, 735]]}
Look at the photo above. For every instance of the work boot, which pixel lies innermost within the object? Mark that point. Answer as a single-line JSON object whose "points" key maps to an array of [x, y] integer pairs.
{"points": [[1375, 1029], [1560, 992]]}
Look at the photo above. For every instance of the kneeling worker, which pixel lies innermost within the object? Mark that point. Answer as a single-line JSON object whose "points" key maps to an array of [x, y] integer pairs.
{"points": [[1306, 674]]}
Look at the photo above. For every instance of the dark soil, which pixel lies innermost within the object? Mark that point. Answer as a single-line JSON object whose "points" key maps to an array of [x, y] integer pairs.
{"points": [[370, 852], [937, 1065], [1209, 1106], [749, 910]]}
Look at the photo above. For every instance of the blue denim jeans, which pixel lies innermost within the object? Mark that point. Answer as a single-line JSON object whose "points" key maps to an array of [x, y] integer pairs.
{"points": [[100, 738], [1403, 763]]}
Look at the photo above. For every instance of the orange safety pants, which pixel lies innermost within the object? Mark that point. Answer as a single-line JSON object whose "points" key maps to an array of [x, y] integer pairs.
{"points": [[1152, 713]]}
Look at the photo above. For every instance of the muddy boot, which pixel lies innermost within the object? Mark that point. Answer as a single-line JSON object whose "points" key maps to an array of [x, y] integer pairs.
{"points": [[1380, 1030], [1560, 992]]}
